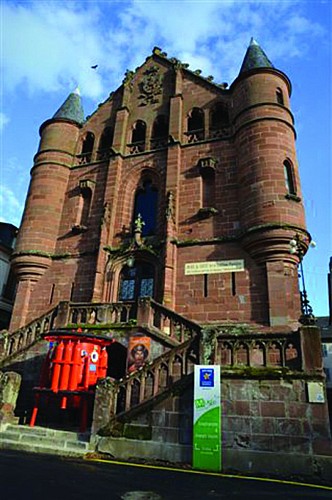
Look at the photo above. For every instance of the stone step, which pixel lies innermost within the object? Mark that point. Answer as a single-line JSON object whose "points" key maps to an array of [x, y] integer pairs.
{"points": [[43, 440], [40, 432], [43, 450]]}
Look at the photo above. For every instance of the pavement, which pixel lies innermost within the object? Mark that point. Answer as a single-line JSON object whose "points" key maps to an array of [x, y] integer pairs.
{"points": [[26, 476]]}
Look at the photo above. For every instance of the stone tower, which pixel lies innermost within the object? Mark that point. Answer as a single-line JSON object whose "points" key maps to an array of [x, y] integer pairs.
{"points": [[176, 188], [39, 229], [269, 187]]}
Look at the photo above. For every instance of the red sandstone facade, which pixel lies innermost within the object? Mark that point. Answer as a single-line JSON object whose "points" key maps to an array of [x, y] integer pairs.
{"points": [[222, 169]]}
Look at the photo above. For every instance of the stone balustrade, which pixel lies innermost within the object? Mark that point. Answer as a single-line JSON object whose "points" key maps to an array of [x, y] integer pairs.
{"points": [[116, 397], [18, 341], [167, 321], [97, 313], [265, 350]]}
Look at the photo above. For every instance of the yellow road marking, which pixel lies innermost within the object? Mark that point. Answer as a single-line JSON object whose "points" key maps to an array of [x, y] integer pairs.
{"points": [[219, 474]]}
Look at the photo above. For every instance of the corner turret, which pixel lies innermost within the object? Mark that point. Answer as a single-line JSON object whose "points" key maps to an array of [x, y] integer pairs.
{"points": [[271, 209], [39, 229]]}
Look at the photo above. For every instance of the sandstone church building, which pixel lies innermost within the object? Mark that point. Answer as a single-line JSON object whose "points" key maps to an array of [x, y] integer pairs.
{"points": [[170, 213]]}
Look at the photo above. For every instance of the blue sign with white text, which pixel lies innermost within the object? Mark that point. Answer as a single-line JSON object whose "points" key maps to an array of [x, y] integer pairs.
{"points": [[206, 377]]}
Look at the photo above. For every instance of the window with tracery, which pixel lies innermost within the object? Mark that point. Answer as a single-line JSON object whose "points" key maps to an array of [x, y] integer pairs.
{"points": [[136, 281]]}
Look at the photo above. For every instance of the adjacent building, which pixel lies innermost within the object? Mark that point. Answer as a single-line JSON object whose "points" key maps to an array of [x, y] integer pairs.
{"points": [[8, 234]]}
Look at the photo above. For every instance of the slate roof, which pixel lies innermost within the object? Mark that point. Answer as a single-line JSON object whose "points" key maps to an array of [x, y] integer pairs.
{"points": [[255, 58], [72, 108]]}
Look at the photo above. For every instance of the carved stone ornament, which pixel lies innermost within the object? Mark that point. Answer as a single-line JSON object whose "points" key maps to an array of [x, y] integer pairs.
{"points": [[170, 206], [128, 78], [150, 86]]}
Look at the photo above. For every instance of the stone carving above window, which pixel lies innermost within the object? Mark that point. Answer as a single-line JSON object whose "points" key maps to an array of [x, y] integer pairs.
{"points": [[150, 86]]}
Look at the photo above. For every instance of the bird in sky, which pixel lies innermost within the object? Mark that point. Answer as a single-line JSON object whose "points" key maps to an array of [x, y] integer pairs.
{"points": [[95, 66]]}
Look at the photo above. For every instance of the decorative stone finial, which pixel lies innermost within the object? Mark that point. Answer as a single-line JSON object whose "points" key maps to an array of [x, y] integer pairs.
{"points": [[139, 223]]}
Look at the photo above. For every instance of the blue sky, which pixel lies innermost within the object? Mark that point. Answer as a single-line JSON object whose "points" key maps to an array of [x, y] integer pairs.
{"points": [[48, 48]]}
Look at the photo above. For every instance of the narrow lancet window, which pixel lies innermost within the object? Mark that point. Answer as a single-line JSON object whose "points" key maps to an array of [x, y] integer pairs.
{"points": [[289, 178], [279, 96]]}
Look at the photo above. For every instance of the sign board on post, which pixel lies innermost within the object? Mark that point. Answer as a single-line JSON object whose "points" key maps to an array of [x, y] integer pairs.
{"points": [[207, 418]]}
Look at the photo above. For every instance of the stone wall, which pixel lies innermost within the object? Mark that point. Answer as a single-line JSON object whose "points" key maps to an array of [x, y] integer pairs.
{"points": [[9, 388], [258, 415], [273, 415], [28, 367]]}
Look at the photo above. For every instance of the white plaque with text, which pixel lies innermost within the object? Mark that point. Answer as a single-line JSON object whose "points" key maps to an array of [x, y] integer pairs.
{"points": [[214, 266]]}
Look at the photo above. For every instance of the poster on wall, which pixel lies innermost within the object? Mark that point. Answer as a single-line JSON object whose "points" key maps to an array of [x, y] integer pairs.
{"points": [[138, 352], [207, 418]]}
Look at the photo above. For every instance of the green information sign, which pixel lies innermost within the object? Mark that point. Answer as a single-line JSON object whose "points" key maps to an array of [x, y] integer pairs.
{"points": [[207, 418]]}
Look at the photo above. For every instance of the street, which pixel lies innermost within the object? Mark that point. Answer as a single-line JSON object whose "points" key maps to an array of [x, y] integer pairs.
{"points": [[31, 476]]}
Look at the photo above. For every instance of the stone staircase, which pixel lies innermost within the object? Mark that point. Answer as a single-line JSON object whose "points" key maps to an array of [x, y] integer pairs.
{"points": [[135, 391], [44, 440]]}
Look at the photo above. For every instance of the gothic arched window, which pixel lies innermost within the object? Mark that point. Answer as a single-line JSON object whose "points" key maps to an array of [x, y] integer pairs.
{"points": [[289, 177], [87, 147], [219, 117], [195, 125], [105, 142], [146, 204], [160, 127], [138, 137]]}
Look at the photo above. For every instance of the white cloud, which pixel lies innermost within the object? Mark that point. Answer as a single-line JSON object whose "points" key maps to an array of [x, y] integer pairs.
{"points": [[50, 46], [10, 205], [47, 45], [4, 119]]}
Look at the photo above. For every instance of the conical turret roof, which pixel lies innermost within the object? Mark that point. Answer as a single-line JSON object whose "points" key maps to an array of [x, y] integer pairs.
{"points": [[72, 108], [255, 58]]}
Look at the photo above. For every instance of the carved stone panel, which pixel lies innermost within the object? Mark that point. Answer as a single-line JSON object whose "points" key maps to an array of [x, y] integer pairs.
{"points": [[150, 86]]}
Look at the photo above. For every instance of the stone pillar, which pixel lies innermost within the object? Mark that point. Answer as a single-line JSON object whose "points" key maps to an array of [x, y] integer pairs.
{"points": [[175, 122], [120, 131], [311, 349], [29, 267], [62, 317], [103, 406], [21, 305], [276, 287], [144, 312]]}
